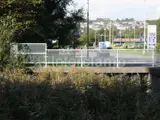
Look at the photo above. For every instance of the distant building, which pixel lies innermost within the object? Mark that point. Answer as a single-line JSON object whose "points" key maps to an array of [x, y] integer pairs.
{"points": [[121, 25]]}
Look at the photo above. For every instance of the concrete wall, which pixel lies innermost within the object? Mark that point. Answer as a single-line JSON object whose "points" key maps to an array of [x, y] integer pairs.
{"points": [[155, 81]]}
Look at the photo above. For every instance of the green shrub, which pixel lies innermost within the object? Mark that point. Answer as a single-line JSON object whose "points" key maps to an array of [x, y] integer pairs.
{"points": [[7, 37], [78, 95], [158, 46]]}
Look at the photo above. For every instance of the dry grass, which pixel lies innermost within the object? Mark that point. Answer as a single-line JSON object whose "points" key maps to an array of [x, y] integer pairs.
{"points": [[78, 95]]}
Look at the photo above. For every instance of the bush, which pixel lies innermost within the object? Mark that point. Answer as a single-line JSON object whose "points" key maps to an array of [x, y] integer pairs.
{"points": [[158, 46], [8, 29], [78, 95]]}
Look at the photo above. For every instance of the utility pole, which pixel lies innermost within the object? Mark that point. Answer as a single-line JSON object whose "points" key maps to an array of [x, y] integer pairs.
{"points": [[144, 26], [88, 29], [88, 25]]}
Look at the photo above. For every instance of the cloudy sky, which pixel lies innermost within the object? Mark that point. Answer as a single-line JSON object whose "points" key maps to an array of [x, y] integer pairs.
{"points": [[122, 8]]}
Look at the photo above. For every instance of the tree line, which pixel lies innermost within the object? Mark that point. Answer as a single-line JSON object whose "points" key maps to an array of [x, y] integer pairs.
{"points": [[102, 34], [115, 33]]}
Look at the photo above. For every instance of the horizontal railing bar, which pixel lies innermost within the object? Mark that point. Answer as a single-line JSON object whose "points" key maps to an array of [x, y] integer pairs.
{"points": [[64, 62], [32, 43], [31, 53], [95, 62], [105, 49], [35, 62]]}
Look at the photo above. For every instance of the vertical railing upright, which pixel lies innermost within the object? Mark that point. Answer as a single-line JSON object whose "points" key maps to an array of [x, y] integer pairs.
{"points": [[117, 58], [153, 57], [81, 57], [46, 55]]}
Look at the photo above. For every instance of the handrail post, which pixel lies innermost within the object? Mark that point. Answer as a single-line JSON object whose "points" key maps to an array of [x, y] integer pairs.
{"points": [[46, 55], [153, 57], [117, 58], [81, 58]]}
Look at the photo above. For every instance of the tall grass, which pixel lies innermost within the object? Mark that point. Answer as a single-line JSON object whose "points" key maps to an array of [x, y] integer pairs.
{"points": [[77, 95]]}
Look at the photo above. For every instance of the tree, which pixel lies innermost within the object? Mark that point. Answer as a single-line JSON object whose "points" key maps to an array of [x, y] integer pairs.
{"points": [[42, 20], [83, 38], [7, 57], [99, 36]]}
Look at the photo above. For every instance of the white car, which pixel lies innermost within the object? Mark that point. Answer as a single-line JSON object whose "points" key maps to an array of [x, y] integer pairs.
{"points": [[104, 49]]}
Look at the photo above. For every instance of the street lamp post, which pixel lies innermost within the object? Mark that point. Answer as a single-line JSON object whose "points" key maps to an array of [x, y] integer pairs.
{"points": [[105, 34], [95, 38], [134, 30], [110, 32], [101, 37], [134, 33], [120, 37]]}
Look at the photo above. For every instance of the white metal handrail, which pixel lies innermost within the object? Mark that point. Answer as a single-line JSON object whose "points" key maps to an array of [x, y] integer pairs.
{"points": [[79, 56]]}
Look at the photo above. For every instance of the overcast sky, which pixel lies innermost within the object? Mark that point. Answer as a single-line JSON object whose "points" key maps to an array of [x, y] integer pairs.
{"points": [[114, 9]]}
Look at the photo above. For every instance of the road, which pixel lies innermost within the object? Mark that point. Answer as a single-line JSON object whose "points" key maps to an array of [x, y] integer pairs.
{"points": [[126, 60], [95, 59]]}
